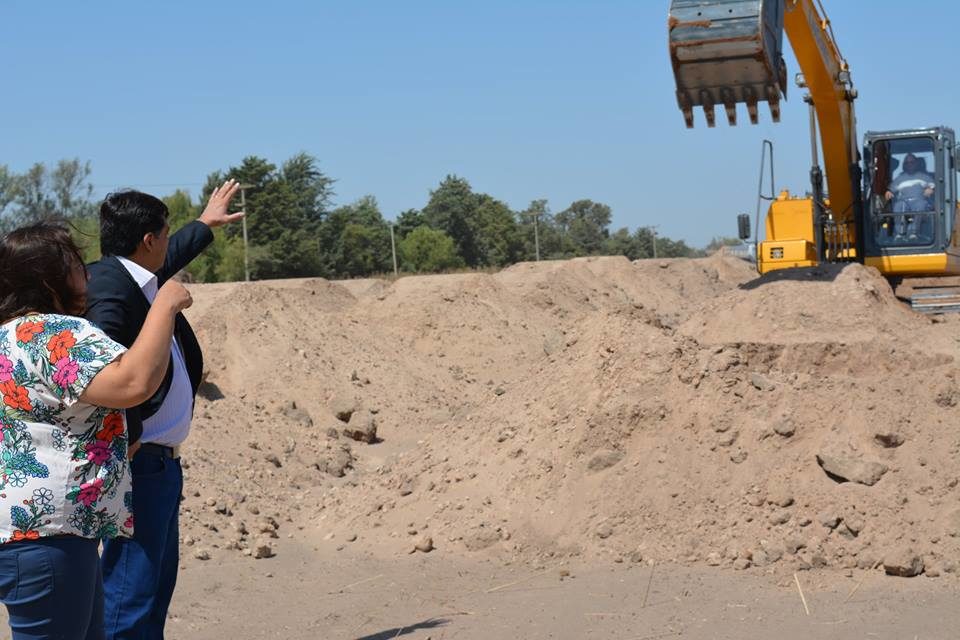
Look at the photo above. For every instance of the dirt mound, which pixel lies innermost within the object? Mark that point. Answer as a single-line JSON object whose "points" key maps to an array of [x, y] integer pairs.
{"points": [[661, 410], [837, 303]]}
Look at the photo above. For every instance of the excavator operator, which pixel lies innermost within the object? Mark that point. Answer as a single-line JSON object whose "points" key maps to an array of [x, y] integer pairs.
{"points": [[911, 192], [913, 188]]}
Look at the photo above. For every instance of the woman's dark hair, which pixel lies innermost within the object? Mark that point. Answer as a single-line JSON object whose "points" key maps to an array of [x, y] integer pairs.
{"points": [[35, 266], [127, 216]]}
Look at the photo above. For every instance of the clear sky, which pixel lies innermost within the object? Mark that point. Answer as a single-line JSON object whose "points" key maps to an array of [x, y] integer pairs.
{"points": [[526, 99]]}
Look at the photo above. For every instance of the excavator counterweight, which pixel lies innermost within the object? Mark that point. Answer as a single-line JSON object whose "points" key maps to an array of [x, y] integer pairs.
{"points": [[726, 52]]}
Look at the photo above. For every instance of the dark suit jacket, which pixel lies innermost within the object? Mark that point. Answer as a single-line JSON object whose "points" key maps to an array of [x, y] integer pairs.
{"points": [[116, 304]]}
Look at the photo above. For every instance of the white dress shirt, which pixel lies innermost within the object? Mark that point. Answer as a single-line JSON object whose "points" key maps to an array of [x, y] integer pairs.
{"points": [[170, 425]]}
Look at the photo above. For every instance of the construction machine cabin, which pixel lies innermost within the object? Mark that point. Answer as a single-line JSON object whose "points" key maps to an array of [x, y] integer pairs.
{"points": [[891, 204]]}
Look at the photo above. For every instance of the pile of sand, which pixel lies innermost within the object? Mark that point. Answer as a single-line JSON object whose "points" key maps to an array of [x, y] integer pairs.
{"points": [[678, 410]]}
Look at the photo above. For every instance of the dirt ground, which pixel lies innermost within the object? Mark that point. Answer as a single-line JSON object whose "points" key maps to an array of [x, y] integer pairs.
{"points": [[422, 458], [309, 596]]}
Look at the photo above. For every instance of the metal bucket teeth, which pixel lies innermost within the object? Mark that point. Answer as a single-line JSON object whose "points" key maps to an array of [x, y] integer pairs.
{"points": [[726, 52]]}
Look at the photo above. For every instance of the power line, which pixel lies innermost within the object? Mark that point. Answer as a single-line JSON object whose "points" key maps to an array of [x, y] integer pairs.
{"points": [[156, 184]]}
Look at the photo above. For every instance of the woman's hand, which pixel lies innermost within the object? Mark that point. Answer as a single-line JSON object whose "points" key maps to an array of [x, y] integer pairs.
{"points": [[136, 375], [173, 296]]}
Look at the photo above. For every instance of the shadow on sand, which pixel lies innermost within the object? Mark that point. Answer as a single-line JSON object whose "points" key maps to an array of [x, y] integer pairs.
{"points": [[399, 632], [822, 273]]}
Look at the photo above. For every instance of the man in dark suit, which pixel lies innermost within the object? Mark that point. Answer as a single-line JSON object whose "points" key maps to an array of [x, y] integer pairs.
{"points": [[139, 573]]}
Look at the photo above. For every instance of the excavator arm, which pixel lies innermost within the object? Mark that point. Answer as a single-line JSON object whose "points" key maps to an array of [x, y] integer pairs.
{"points": [[729, 52]]}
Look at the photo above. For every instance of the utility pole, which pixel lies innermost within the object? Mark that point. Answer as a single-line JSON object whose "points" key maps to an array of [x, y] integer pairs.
{"points": [[536, 233], [246, 253], [653, 230], [393, 249]]}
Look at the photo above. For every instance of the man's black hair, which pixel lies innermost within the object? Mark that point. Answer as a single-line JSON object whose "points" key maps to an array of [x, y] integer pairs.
{"points": [[127, 216]]}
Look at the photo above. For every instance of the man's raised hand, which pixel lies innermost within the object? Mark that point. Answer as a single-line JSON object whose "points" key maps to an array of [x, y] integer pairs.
{"points": [[216, 213]]}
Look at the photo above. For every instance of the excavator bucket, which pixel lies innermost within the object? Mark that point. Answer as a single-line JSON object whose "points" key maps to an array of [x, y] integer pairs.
{"points": [[727, 52]]}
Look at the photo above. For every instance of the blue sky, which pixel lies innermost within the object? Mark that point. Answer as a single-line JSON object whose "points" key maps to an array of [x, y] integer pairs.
{"points": [[526, 99]]}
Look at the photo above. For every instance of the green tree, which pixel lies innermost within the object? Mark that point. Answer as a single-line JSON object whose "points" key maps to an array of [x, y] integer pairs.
{"points": [[71, 190], [668, 248], [8, 189], [229, 266], [452, 208], [718, 243], [643, 239], [407, 221], [427, 250], [285, 209], [554, 244], [586, 223], [32, 198], [624, 243], [62, 193], [483, 228], [182, 210], [354, 240], [312, 189], [497, 236]]}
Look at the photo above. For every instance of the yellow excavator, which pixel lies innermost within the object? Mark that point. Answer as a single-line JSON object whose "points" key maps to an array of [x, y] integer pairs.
{"points": [[894, 206]]}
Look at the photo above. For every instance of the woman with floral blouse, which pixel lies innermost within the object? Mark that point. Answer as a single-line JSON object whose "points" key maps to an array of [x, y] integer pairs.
{"points": [[64, 474]]}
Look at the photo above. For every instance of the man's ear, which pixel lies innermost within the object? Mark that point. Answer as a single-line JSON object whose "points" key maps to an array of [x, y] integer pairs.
{"points": [[148, 240]]}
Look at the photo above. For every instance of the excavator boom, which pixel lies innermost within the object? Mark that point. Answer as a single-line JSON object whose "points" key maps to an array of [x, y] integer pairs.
{"points": [[729, 52]]}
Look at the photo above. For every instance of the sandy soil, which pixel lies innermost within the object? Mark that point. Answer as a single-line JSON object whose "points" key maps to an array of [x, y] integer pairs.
{"points": [[346, 596], [438, 436]]}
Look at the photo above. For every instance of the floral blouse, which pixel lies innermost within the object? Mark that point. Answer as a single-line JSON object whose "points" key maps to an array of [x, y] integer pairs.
{"points": [[63, 462]]}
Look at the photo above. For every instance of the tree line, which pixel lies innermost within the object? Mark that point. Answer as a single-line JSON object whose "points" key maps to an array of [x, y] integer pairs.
{"points": [[295, 230]]}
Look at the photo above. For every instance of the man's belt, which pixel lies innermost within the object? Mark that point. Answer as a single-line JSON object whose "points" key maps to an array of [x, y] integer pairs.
{"points": [[163, 451]]}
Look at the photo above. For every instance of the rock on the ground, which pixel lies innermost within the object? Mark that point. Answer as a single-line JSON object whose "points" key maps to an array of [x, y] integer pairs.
{"points": [[779, 517], [828, 519], [784, 428], [761, 382], [604, 459], [481, 538], [336, 462], [262, 549], [344, 407], [362, 427], [850, 470], [903, 561], [297, 414], [425, 545], [953, 523], [888, 439]]}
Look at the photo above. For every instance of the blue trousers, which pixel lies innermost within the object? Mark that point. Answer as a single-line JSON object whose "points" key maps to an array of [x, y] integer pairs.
{"points": [[140, 573], [52, 588]]}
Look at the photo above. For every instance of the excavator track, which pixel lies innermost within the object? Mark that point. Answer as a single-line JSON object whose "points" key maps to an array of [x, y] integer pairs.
{"points": [[930, 295]]}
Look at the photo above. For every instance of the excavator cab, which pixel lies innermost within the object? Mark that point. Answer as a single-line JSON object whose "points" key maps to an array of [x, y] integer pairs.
{"points": [[910, 199]]}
